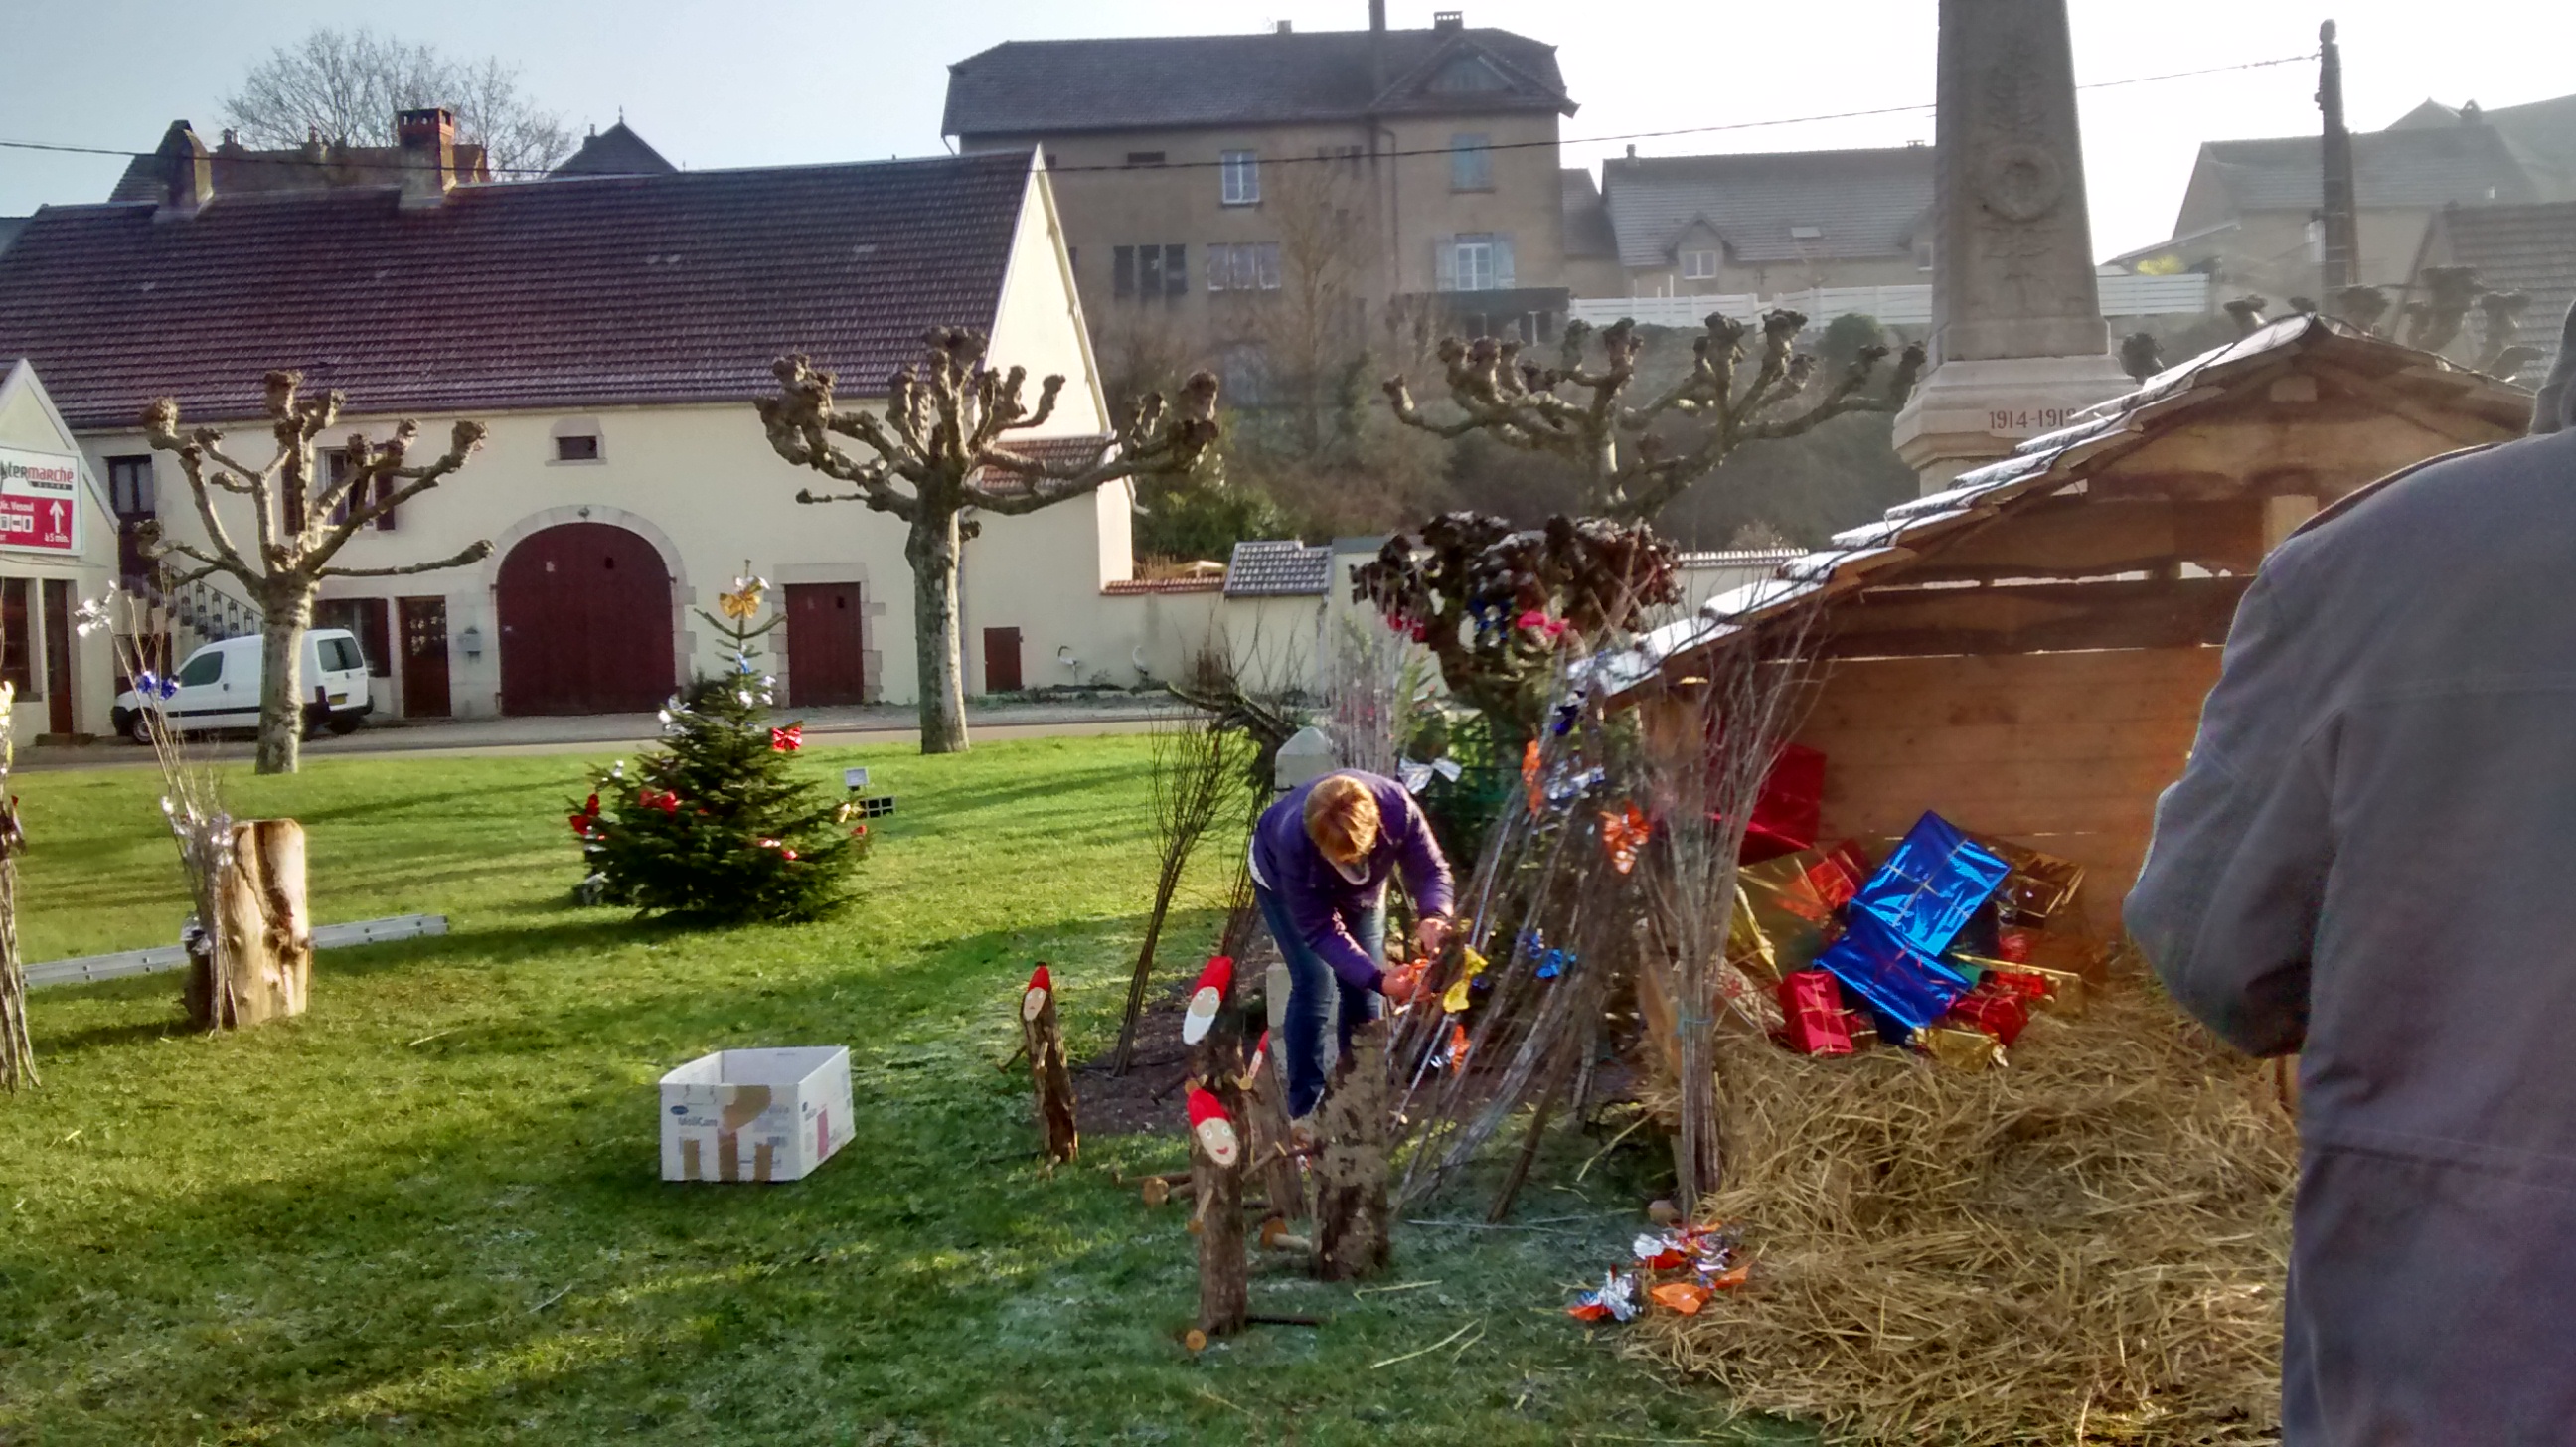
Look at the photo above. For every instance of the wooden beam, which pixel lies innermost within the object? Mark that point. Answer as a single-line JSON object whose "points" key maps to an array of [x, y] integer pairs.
{"points": [[2464, 430], [2034, 618]]}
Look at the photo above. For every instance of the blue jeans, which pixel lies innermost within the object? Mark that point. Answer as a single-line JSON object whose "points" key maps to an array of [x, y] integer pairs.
{"points": [[1314, 992]]}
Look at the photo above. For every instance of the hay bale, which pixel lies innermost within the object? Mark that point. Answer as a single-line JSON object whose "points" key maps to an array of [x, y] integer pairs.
{"points": [[2087, 1246]]}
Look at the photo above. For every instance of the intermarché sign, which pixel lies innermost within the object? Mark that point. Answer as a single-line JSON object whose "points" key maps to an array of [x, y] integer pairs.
{"points": [[39, 501]]}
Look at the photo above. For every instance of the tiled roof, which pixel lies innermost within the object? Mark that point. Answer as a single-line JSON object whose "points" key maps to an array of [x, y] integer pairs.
{"points": [[1052, 87], [1587, 219], [1877, 553], [616, 151], [2529, 249], [1128, 587], [2416, 166], [1274, 569], [576, 292], [1074, 451], [1860, 203], [2543, 132]]}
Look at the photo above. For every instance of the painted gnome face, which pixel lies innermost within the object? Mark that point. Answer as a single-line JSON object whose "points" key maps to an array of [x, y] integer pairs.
{"points": [[1035, 998], [1207, 1000], [1214, 1129]]}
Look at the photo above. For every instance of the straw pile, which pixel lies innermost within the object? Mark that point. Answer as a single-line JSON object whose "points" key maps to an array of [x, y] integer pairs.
{"points": [[2085, 1247]]}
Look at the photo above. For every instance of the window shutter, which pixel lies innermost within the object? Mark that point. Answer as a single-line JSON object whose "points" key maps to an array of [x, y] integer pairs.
{"points": [[1503, 263], [1176, 270], [1445, 265]]}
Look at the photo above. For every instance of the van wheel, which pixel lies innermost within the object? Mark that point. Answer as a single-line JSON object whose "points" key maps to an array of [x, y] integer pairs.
{"points": [[344, 725], [139, 728]]}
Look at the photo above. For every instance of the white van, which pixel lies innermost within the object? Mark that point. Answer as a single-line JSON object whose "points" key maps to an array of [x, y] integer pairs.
{"points": [[218, 688]]}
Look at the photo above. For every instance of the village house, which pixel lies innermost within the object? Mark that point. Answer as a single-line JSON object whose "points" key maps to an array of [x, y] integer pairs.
{"points": [[2525, 250], [1790, 221], [1201, 177], [57, 547], [612, 332]]}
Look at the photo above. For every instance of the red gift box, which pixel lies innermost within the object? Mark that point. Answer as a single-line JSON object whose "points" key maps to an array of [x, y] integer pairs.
{"points": [[1786, 815], [1812, 1002], [1993, 1009], [1839, 875], [2013, 946]]}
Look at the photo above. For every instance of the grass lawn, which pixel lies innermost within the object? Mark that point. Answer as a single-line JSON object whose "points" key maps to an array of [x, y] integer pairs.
{"points": [[430, 1207]]}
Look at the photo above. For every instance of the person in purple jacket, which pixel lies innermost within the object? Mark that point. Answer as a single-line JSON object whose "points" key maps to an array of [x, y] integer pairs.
{"points": [[1321, 857]]}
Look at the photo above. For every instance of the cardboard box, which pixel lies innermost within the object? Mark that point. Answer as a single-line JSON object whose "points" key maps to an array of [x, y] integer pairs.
{"points": [[755, 1115]]}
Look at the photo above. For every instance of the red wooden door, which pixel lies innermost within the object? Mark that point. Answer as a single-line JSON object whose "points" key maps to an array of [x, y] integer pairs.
{"points": [[1001, 660], [826, 649], [424, 657], [585, 623], [58, 655]]}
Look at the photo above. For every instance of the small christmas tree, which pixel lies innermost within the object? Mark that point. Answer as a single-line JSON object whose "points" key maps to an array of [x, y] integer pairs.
{"points": [[715, 827]]}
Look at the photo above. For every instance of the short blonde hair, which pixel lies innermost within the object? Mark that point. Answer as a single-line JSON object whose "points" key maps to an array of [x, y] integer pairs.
{"points": [[1341, 817]]}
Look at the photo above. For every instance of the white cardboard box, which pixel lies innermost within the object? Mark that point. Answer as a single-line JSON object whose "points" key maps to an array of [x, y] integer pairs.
{"points": [[755, 1115]]}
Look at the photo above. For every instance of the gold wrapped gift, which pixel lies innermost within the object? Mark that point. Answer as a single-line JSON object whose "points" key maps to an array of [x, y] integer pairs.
{"points": [[2039, 885], [1960, 1049], [2066, 989]]}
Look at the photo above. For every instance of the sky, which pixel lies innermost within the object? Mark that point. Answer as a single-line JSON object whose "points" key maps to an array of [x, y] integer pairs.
{"points": [[796, 81]]}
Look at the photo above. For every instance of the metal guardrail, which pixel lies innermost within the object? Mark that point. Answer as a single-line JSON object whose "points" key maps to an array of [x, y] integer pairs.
{"points": [[89, 969]]}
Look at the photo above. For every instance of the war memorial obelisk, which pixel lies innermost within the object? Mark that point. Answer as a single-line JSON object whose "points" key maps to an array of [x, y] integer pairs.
{"points": [[2018, 343]]}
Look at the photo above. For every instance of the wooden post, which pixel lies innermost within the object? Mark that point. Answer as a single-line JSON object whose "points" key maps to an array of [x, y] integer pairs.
{"points": [[259, 966], [1217, 1137], [1351, 1237], [1265, 1103], [1043, 1038]]}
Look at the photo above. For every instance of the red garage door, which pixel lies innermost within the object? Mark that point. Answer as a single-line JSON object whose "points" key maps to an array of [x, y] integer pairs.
{"points": [[826, 645], [585, 623]]}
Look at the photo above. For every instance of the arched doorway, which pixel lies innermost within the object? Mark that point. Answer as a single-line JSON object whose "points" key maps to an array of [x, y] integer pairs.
{"points": [[585, 623]]}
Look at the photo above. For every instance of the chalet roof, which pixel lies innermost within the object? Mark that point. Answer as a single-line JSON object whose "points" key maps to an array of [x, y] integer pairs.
{"points": [[1278, 569], [2528, 249], [616, 151], [1050, 87], [2419, 165], [1587, 220], [584, 291], [2045, 466], [1859, 204], [2543, 132]]}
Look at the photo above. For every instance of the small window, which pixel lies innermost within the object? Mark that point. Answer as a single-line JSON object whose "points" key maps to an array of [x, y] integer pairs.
{"points": [[1142, 158], [339, 655], [577, 447], [129, 483], [1239, 178], [1251, 266], [1471, 162], [206, 667], [1476, 261], [1806, 233], [1699, 266]]}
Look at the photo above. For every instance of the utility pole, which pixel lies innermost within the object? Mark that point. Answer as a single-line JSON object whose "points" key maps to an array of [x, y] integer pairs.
{"points": [[2342, 248]]}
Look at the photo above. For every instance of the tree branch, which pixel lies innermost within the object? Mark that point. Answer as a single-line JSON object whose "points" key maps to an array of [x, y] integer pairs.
{"points": [[472, 553], [800, 420], [462, 442]]}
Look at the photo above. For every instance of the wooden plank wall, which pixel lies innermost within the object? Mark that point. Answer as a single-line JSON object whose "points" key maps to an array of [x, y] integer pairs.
{"points": [[2064, 752]]}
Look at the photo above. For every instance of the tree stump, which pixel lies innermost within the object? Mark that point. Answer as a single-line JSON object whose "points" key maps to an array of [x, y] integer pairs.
{"points": [[1351, 1237], [257, 965], [1265, 1108], [1048, 1073], [1216, 1179]]}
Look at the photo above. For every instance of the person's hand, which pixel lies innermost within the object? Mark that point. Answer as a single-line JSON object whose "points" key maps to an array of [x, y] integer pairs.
{"points": [[1401, 984], [1429, 935]]}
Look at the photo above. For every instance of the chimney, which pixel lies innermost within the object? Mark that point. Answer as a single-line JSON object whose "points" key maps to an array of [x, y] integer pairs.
{"points": [[187, 172], [1448, 20], [1286, 27], [428, 141], [1377, 17]]}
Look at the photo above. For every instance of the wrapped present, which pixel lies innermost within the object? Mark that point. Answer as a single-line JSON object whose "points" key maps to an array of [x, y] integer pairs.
{"points": [[1748, 999], [1791, 805], [1930, 885], [2038, 886], [1958, 1047], [2039, 987], [1904, 985], [1862, 1029], [1839, 875], [1992, 1008], [1780, 904], [2014, 943], [1748, 945], [1812, 1007]]}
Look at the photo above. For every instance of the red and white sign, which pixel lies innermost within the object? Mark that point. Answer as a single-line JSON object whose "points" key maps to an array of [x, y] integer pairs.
{"points": [[39, 501]]}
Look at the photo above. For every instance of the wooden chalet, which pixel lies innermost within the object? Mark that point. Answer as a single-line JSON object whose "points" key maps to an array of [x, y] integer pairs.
{"points": [[2027, 652]]}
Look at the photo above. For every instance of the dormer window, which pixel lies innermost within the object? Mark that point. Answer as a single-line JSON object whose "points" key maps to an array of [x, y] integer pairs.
{"points": [[1806, 233], [1699, 266], [576, 439]]}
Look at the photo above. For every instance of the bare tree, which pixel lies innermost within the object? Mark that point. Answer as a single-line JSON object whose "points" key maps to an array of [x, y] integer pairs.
{"points": [[939, 451], [345, 86], [302, 520], [1577, 413]]}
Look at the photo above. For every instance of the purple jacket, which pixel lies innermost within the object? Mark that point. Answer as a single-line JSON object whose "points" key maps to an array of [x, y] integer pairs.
{"points": [[1319, 900]]}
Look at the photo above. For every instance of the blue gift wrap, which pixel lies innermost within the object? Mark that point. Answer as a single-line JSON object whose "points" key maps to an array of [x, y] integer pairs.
{"points": [[1928, 888], [1900, 984]]}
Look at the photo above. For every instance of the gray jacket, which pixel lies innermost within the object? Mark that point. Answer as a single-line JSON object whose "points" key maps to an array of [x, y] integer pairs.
{"points": [[2371, 860]]}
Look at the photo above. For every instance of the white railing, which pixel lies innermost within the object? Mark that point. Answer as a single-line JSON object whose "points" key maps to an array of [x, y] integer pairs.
{"points": [[1897, 306]]}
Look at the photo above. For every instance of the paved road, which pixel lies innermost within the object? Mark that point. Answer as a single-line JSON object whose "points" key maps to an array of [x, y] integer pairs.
{"points": [[595, 733]]}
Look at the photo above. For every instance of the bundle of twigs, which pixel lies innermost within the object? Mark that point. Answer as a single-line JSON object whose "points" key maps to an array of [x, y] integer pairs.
{"points": [[17, 1046], [2084, 1247], [1198, 778]]}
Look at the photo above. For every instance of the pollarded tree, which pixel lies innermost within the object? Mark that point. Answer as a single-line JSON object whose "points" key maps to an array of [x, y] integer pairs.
{"points": [[303, 519], [942, 437], [1635, 460]]}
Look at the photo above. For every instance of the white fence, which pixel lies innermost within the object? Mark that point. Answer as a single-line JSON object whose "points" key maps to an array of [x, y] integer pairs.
{"points": [[1896, 306]]}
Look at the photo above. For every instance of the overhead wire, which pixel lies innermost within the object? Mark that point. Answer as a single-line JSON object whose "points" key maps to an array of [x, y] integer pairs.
{"points": [[1444, 150]]}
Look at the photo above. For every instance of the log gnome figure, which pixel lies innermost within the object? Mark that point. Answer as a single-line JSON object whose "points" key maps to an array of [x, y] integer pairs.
{"points": [[1043, 1037], [1216, 1175], [1207, 998]]}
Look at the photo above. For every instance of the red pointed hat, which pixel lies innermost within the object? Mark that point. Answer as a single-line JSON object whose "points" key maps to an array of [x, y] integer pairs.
{"points": [[1039, 979], [1260, 1048], [1205, 1107], [1218, 976]]}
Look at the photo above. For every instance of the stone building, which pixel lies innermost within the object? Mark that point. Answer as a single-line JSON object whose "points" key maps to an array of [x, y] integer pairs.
{"points": [[1213, 185], [1765, 224]]}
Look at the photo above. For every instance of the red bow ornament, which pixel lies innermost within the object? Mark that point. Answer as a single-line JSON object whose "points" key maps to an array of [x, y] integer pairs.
{"points": [[787, 740], [1623, 834], [662, 799]]}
